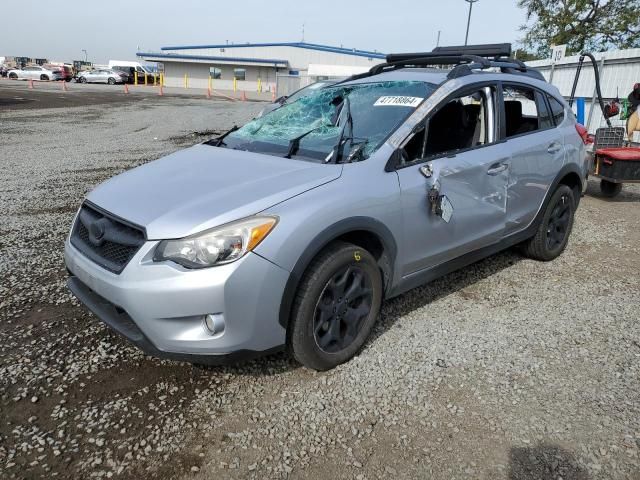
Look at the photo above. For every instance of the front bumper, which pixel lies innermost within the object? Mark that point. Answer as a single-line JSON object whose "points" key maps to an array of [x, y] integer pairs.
{"points": [[160, 307]]}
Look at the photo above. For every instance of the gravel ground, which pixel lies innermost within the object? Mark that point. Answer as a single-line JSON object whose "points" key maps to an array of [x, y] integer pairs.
{"points": [[506, 369]]}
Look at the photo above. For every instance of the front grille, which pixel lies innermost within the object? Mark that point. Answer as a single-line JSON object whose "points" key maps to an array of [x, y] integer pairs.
{"points": [[107, 240]]}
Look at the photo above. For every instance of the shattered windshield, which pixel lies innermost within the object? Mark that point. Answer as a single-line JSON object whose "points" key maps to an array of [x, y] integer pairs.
{"points": [[333, 124]]}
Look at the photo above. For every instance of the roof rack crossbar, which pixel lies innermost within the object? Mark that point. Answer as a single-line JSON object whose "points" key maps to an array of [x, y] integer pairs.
{"points": [[464, 60], [438, 59]]}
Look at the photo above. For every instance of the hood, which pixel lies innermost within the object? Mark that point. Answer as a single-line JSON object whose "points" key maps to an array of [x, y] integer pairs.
{"points": [[204, 186]]}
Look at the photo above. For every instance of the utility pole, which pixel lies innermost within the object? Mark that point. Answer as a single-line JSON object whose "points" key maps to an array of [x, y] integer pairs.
{"points": [[85, 55], [470, 2], [438, 41]]}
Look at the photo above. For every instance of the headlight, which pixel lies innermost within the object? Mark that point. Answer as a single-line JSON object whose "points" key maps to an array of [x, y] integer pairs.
{"points": [[218, 246]]}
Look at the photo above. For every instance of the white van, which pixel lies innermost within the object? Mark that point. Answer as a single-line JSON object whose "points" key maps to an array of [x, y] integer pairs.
{"points": [[131, 67]]}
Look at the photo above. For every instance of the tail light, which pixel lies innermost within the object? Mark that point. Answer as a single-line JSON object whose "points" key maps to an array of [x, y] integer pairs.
{"points": [[584, 134]]}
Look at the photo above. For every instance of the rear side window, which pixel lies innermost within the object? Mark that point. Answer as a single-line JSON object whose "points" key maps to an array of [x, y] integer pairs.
{"points": [[544, 114], [557, 110], [522, 111]]}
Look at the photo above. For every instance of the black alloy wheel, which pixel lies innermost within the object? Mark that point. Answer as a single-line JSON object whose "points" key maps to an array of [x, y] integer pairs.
{"points": [[559, 221], [553, 231], [336, 306], [343, 305]]}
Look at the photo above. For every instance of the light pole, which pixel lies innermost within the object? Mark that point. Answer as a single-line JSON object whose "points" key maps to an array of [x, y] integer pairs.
{"points": [[85, 55], [466, 37]]}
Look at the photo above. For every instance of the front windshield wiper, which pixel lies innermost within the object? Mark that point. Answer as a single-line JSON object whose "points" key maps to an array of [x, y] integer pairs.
{"points": [[218, 142], [294, 143]]}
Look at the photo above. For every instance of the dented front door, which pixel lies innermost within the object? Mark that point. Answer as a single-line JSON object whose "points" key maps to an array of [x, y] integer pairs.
{"points": [[453, 205]]}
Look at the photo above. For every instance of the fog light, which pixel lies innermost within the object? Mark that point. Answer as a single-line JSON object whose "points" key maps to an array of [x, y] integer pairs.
{"points": [[214, 323]]}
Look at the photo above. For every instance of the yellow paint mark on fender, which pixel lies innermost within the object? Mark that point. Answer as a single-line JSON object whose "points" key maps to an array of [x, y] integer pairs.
{"points": [[356, 256]]}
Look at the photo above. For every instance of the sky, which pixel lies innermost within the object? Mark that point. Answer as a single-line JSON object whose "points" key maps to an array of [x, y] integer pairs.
{"points": [[116, 29]]}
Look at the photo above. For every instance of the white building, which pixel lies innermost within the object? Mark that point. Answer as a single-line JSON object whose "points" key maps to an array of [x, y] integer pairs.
{"points": [[619, 71], [296, 64]]}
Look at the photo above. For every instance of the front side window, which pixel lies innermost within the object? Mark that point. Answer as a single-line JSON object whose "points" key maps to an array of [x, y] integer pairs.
{"points": [[240, 73], [340, 123], [462, 123], [521, 110]]}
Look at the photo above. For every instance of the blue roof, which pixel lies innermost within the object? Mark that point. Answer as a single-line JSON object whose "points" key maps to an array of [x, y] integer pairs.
{"points": [[210, 58], [309, 46]]}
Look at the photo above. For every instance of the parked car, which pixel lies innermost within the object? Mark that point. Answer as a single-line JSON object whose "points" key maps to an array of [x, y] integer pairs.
{"points": [[65, 71], [34, 73], [100, 76], [127, 77], [303, 92], [288, 233]]}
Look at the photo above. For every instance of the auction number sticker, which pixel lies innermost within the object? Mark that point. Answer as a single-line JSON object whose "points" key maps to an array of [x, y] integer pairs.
{"points": [[398, 101]]}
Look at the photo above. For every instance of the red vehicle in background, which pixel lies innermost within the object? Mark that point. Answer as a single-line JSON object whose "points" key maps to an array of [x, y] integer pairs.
{"points": [[66, 71]]}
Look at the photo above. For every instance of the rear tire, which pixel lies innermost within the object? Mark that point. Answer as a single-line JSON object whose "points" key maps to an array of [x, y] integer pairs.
{"points": [[610, 189], [111, 81], [13, 76], [83, 80], [44, 78], [336, 306], [554, 230]]}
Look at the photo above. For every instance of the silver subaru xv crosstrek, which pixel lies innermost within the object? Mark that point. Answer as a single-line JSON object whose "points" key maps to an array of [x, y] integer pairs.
{"points": [[288, 233]]}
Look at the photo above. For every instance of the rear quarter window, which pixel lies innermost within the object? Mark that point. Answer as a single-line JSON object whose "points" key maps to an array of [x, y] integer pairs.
{"points": [[557, 110]]}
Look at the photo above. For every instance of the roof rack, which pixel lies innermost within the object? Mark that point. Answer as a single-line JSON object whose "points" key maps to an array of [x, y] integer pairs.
{"points": [[464, 59]]}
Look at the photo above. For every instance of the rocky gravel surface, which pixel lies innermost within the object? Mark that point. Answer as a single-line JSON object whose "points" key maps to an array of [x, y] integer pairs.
{"points": [[506, 369]]}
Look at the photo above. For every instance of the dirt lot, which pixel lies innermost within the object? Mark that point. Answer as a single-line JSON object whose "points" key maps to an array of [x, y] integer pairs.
{"points": [[508, 369]]}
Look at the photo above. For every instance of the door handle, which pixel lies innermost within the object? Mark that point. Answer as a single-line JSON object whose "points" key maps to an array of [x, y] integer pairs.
{"points": [[554, 148], [497, 168]]}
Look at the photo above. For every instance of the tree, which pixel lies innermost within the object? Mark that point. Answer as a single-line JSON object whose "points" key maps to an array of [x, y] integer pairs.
{"points": [[595, 25], [525, 56]]}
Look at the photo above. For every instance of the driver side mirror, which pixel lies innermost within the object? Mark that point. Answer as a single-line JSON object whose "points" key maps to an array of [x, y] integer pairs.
{"points": [[281, 100]]}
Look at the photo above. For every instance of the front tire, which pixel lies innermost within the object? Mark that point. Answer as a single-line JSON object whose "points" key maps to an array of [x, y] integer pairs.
{"points": [[13, 76], [336, 306], [610, 189], [554, 230], [111, 81], [44, 78], [83, 80]]}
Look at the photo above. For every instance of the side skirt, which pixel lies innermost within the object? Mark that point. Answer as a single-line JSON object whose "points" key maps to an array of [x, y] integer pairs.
{"points": [[429, 274]]}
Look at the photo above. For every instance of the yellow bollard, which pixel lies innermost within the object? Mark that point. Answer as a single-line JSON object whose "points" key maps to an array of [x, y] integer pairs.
{"points": [[154, 79], [186, 81], [145, 78], [210, 83], [259, 85], [135, 77], [162, 79], [235, 85]]}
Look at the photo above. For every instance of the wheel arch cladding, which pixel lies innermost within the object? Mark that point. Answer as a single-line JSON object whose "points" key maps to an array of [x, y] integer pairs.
{"points": [[571, 179], [366, 232]]}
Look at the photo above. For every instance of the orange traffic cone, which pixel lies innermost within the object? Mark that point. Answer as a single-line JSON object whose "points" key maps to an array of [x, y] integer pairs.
{"points": [[64, 86], [126, 88], [161, 91], [31, 84], [209, 92], [244, 96], [273, 95]]}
